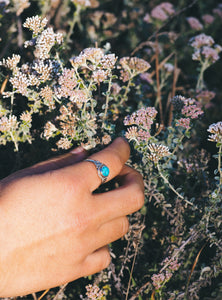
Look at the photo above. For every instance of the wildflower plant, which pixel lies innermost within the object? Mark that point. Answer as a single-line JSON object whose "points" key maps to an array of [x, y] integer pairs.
{"points": [[62, 84]]}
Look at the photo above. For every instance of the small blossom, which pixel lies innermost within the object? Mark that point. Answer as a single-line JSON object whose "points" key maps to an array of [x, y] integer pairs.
{"points": [[132, 133], [158, 280], [36, 24], [216, 130], [201, 40], [49, 129], [67, 82], [45, 41], [169, 68], [8, 123], [147, 18], [94, 292], [106, 139], [194, 23], [191, 109], [108, 61], [208, 19], [146, 77], [143, 117], [157, 152], [26, 117], [162, 11], [20, 83], [115, 88], [134, 65], [218, 11], [64, 143], [210, 53], [183, 122], [47, 94], [205, 96], [99, 75], [44, 69], [11, 62], [79, 97]]}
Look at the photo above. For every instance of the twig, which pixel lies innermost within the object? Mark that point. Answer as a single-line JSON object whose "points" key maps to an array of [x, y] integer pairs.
{"points": [[133, 263], [175, 78], [43, 294], [193, 267], [177, 251], [62, 288], [159, 102]]}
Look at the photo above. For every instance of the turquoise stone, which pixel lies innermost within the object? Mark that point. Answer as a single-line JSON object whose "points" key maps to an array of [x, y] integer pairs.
{"points": [[105, 171]]}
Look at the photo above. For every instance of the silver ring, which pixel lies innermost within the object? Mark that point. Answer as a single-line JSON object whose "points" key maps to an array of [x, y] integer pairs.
{"points": [[102, 169]]}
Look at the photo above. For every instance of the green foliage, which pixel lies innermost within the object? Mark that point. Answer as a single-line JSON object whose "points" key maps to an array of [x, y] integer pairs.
{"points": [[93, 70]]}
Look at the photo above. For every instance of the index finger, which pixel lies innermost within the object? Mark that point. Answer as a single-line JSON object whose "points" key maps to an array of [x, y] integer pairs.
{"points": [[114, 157], [124, 200]]}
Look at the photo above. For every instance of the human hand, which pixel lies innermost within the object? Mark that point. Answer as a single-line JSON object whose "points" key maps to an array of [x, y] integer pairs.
{"points": [[54, 229]]}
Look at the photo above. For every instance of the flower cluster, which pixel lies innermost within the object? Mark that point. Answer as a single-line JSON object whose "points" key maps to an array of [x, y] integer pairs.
{"points": [[143, 119], [189, 108], [216, 130], [194, 23], [160, 12], [36, 24], [171, 265], [204, 49], [132, 66], [157, 152], [94, 292], [14, 130]]}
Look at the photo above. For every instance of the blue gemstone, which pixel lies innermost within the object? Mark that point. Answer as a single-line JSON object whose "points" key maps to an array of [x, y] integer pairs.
{"points": [[105, 171]]}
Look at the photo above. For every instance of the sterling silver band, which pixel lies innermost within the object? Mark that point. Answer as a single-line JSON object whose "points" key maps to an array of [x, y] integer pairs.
{"points": [[102, 169]]}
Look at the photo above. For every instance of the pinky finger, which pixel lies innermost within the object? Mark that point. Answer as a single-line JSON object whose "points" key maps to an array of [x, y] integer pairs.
{"points": [[96, 261]]}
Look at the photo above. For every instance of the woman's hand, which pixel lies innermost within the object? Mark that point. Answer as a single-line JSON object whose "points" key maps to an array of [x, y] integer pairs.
{"points": [[53, 229]]}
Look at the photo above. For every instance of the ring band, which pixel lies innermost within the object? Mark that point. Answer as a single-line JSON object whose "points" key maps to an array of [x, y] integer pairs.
{"points": [[102, 169]]}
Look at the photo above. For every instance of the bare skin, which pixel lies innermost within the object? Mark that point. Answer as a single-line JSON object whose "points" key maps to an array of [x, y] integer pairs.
{"points": [[53, 229]]}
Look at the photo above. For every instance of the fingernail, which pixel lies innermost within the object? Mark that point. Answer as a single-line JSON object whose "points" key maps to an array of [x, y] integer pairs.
{"points": [[77, 150]]}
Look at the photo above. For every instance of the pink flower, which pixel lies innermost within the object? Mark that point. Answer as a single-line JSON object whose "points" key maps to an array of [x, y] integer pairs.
{"points": [[194, 23], [202, 40], [191, 109], [210, 53], [183, 122], [162, 11], [208, 19], [158, 280], [147, 18]]}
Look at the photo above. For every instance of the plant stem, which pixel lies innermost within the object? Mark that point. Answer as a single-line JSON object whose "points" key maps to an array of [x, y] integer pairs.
{"points": [[126, 91], [220, 168], [200, 82], [107, 100], [14, 141], [176, 148], [76, 19], [170, 185], [159, 102]]}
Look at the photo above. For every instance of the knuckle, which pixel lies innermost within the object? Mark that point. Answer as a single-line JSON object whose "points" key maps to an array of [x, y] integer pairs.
{"points": [[140, 198], [137, 196], [116, 160], [106, 260], [125, 226]]}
